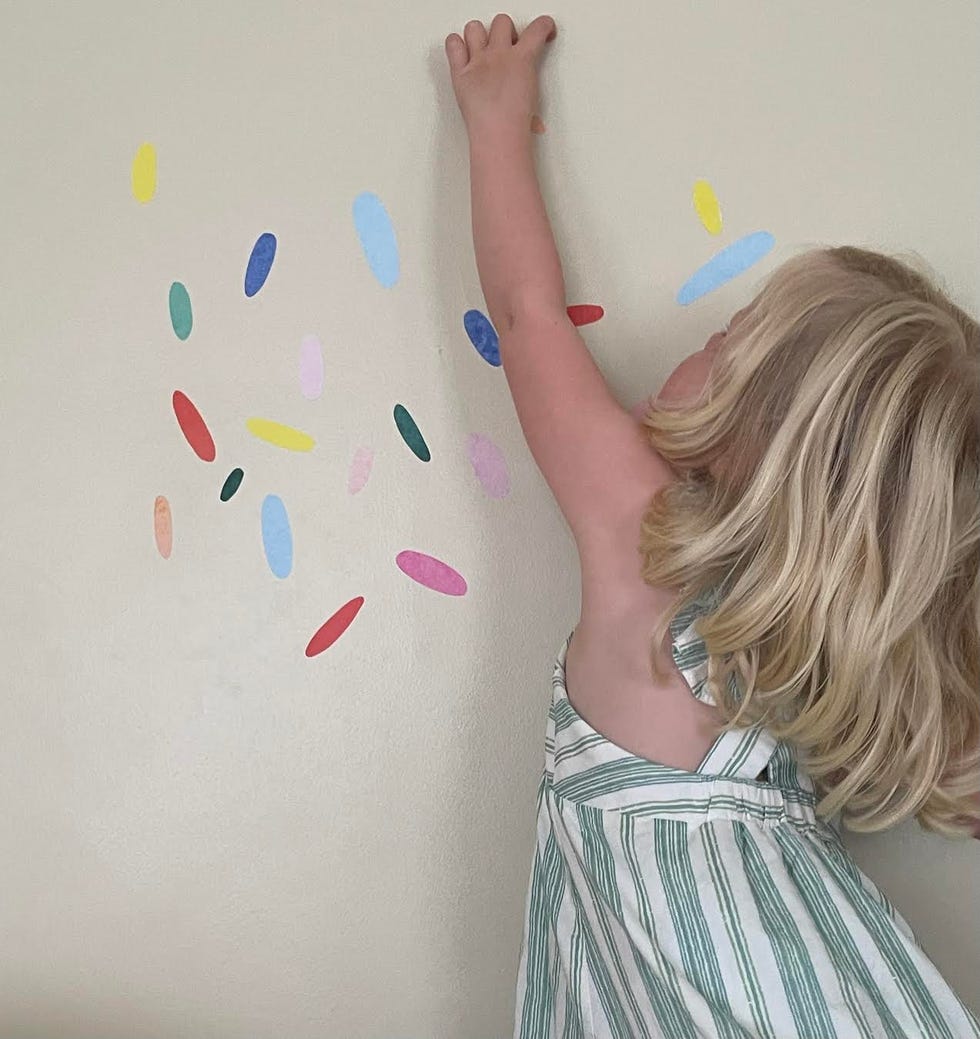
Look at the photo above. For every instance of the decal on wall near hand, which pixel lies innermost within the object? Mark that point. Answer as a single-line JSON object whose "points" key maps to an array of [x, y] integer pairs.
{"points": [[310, 367], [163, 527], [489, 465], [727, 264], [431, 572], [707, 207], [411, 434], [584, 313], [232, 482], [277, 536], [377, 235], [180, 310], [193, 426], [360, 469], [331, 630], [280, 435], [260, 262], [483, 336], [144, 173]]}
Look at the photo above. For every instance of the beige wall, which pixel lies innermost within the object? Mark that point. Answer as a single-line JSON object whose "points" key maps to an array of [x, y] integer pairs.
{"points": [[204, 832]]}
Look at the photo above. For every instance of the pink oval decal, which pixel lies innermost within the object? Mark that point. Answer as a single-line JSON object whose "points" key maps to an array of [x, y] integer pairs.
{"points": [[431, 572]]}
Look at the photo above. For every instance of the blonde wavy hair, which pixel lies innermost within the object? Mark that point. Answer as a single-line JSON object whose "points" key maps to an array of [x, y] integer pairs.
{"points": [[840, 533]]}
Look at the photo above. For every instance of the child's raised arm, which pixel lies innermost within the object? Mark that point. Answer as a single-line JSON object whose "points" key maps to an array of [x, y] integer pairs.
{"points": [[591, 451]]}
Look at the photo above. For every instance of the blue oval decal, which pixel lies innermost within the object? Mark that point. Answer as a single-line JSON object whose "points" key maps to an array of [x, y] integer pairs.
{"points": [[260, 262], [483, 336]]}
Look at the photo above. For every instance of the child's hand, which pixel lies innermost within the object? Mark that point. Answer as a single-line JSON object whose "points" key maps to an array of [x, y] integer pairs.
{"points": [[495, 77]]}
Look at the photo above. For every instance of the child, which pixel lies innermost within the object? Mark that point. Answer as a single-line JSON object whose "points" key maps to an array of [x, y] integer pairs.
{"points": [[805, 495]]}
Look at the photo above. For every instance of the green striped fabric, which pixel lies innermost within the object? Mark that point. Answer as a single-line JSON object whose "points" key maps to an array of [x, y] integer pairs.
{"points": [[689, 905]]}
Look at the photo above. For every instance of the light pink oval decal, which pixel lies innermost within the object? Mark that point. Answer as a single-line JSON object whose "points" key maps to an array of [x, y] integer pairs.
{"points": [[431, 572], [489, 465], [163, 526], [360, 469], [310, 367]]}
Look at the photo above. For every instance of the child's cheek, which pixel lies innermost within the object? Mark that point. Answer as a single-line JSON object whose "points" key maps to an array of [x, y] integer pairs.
{"points": [[640, 410]]}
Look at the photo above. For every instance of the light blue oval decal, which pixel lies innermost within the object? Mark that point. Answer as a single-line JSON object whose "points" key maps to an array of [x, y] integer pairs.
{"points": [[277, 538], [377, 237], [727, 264]]}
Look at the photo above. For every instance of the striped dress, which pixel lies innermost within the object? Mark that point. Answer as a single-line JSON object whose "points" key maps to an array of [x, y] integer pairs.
{"points": [[665, 903]]}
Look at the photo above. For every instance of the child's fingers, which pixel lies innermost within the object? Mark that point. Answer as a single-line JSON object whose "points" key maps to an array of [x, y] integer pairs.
{"points": [[542, 30], [475, 35], [456, 52], [502, 31]]}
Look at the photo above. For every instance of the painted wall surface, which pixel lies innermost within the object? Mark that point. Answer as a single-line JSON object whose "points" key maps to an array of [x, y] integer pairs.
{"points": [[206, 831]]}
